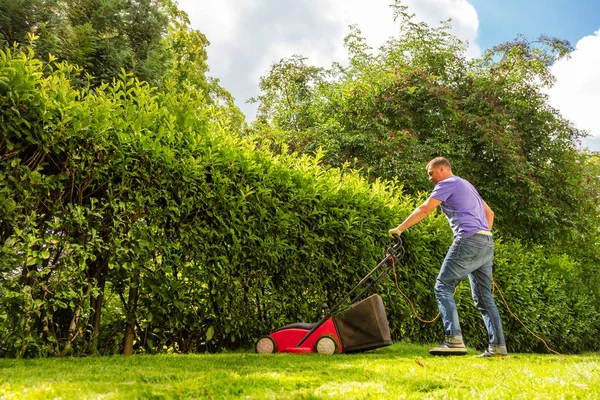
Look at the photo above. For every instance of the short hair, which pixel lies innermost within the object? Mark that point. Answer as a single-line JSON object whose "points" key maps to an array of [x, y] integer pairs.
{"points": [[439, 162]]}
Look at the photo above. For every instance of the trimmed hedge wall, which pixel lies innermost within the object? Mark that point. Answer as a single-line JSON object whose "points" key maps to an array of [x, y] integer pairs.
{"points": [[133, 220]]}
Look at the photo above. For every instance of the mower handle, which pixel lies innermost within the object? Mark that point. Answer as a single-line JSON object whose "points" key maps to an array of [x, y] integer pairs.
{"points": [[394, 254], [396, 251]]}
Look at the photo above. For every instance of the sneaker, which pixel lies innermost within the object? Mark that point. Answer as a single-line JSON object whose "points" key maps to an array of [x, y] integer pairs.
{"points": [[452, 346], [494, 350]]}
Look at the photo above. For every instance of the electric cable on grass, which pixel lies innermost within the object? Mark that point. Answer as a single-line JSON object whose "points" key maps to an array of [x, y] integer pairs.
{"points": [[494, 286]]}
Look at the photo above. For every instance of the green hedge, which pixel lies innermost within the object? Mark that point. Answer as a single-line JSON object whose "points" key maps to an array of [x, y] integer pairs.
{"points": [[128, 212]]}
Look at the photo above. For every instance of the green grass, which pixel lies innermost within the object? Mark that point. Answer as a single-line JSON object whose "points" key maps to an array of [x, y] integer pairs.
{"points": [[401, 371]]}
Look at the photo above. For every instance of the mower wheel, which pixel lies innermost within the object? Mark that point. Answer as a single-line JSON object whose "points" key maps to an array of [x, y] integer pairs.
{"points": [[326, 345], [266, 345]]}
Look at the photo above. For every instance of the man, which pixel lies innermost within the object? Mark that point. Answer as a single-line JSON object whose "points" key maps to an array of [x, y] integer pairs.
{"points": [[471, 254]]}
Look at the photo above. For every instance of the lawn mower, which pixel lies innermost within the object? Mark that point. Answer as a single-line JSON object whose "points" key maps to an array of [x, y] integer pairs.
{"points": [[358, 326]]}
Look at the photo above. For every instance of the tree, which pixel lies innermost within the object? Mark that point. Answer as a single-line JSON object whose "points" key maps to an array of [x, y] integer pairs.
{"points": [[389, 112], [102, 37]]}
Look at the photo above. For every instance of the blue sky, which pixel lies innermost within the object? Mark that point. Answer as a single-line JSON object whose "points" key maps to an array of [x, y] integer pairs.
{"points": [[248, 36], [502, 20], [573, 20]]}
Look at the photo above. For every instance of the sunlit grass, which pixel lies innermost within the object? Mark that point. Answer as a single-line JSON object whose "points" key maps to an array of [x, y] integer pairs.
{"points": [[400, 371]]}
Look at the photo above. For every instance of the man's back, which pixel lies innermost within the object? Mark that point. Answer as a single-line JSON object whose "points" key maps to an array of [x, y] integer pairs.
{"points": [[462, 205]]}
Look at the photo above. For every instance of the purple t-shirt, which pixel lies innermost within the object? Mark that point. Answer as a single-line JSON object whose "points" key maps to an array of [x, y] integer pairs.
{"points": [[462, 205]]}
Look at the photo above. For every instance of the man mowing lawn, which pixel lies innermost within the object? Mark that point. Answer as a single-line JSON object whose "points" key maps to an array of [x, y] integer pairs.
{"points": [[471, 254]]}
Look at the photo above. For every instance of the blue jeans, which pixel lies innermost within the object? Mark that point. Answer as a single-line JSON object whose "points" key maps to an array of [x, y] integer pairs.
{"points": [[473, 257]]}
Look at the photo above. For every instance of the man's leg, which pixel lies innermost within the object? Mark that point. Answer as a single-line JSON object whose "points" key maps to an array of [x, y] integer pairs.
{"points": [[452, 272], [481, 288]]}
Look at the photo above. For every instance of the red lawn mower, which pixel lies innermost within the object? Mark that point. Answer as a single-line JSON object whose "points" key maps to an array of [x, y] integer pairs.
{"points": [[359, 326]]}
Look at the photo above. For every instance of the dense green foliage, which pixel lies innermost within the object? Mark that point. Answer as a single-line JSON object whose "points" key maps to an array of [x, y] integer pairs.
{"points": [[141, 193], [390, 111], [400, 371], [151, 39], [143, 207], [101, 37]]}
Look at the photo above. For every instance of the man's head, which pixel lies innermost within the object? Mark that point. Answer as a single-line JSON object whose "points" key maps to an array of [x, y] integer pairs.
{"points": [[439, 169]]}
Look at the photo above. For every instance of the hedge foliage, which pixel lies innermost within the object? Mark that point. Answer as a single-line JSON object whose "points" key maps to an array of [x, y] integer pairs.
{"points": [[136, 220]]}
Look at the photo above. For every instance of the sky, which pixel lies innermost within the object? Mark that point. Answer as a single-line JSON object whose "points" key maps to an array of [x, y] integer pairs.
{"points": [[248, 36]]}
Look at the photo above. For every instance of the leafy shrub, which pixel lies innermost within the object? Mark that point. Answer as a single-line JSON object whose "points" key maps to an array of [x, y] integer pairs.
{"points": [[137, 213]]}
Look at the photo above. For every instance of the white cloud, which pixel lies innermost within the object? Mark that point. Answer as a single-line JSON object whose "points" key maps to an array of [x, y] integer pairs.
{"points": [[465, 21], [577, 90], [219, 21], [377, 25], [248, 36]]}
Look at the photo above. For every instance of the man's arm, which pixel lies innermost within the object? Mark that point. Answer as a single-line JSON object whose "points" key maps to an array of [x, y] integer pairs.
{"points": [[416, 216], [489, 214]]}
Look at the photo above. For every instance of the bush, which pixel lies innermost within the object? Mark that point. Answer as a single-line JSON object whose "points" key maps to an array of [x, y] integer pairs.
{"points": [[128, 211]]}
